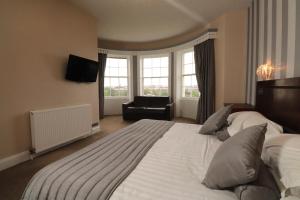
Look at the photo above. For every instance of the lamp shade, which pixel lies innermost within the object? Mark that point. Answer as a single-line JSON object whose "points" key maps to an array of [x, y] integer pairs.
{"points": [[265, 71]]}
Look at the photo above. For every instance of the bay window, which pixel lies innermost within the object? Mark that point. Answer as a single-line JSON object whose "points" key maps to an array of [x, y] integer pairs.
{"points": [[116, 77], [155, 76], [189, 81]]}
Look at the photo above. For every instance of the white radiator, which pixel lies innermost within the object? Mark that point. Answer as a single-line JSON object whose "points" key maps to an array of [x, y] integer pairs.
{"points": [[54, 127]]}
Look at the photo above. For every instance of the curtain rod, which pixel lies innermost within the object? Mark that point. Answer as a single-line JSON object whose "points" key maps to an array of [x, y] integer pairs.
{"points": [[209, 34]]}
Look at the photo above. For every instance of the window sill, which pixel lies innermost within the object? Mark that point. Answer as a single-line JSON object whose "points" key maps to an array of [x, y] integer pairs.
{"points": [[127, 98], [190, 98]]}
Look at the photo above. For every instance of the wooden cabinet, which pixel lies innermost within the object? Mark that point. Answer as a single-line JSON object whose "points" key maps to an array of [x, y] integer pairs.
{"points": [[238, 107]]}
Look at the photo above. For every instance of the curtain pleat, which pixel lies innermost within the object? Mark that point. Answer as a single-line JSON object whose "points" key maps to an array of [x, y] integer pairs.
{"points": [[205, 74], [102, 63]]}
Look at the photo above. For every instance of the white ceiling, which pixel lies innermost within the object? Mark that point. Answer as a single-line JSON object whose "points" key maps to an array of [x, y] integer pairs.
{"points": [[153, 20]]}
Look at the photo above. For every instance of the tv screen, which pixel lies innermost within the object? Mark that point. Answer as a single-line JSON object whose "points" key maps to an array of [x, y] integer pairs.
{"points": [[81, 69]]}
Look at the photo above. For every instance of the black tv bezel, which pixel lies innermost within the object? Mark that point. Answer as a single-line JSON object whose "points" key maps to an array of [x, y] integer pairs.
{"points": [[69, 74]]}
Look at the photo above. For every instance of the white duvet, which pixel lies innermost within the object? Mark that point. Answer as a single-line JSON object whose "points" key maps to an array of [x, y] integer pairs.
{"points": [[174, 169]]}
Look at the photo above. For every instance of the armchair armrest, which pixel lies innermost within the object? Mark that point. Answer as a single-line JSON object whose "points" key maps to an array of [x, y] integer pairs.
{"points": [[127, 104], [124, 108], [170, 110], [170, 105]]}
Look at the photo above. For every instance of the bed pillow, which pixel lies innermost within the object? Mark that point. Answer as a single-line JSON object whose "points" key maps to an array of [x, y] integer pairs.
{"points": [[222, 134], [237, 160], [263, 188], [216, 121], [253, 192], [282, 155], [241, 120]]}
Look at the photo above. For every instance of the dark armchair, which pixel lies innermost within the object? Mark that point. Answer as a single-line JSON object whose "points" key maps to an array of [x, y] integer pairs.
{"points": [[144, 107]]}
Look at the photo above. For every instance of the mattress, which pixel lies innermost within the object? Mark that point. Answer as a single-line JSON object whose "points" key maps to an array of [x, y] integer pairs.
{"points": [[174, 168]]}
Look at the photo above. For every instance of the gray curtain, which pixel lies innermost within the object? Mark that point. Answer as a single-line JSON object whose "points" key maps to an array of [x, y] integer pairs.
{"points": [[102, 62], [205, 74]]}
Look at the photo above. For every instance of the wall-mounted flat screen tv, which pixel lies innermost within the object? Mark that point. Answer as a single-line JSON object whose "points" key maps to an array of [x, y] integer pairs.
{"points": [[81, 69]]}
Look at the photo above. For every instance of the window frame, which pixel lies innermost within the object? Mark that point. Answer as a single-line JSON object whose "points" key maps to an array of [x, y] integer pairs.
{"points": [[182, 75], [129, 75], [141, 71]]}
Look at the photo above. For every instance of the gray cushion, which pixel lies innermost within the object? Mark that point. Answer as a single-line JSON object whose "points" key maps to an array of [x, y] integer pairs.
{"points": [[252, 192], [237, 160], [264, 186], [216, 121], [222, 134]]}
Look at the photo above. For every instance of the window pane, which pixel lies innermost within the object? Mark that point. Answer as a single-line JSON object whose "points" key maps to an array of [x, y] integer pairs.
{"points": [[188, 69], [114, 82], [188, 57], [147, 62], [187, 81], [147, 72], [147, 82], [193, 68], [156, 92], [164, 92], [148, 91], [194, 81], [187, 92], [164, 71], [114, 71], [123, 63], [165, 62], [113, 85], [107, 71], [195, 93], [123, 82], [124, 93], [107, 91], [114, 92], [123, 71], [106, 82], [156, 62], [114, 62], [155, 74], [155, 82], [164, 82]]}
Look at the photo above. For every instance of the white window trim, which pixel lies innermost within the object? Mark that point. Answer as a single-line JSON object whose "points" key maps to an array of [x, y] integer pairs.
{"points": [[129, 77], [141, 76]]}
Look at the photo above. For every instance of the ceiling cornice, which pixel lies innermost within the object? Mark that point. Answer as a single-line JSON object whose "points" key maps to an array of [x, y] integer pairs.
{"points": [[206, 35]]}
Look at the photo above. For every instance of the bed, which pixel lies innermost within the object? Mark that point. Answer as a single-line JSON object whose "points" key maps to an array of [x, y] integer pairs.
{"points": [[150, 159]]}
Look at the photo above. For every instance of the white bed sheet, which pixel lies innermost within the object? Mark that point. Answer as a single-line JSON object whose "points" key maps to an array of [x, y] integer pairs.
{"points": [[174, 168]]}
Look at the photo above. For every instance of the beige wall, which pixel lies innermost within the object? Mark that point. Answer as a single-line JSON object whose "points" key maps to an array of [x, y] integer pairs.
{"points": [[231, 51], [36, 38]]}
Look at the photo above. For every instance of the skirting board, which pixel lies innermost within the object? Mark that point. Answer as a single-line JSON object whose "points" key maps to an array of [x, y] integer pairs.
{"points": [[24, 156], [14, 160]]}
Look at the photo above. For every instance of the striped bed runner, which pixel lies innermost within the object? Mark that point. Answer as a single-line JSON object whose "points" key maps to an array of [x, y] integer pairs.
{"points": [[97, 170]]}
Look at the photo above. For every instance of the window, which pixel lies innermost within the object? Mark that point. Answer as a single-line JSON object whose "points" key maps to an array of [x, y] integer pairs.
{"points": [[189, 81], [155, 72], [116, 77]]}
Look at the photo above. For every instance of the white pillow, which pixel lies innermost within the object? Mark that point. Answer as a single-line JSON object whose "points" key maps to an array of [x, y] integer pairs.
{"points": [[245, 119], [282, 155]]}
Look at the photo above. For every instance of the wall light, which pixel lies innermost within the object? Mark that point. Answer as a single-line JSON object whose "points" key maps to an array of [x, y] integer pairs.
{"points": [[265, 72]]}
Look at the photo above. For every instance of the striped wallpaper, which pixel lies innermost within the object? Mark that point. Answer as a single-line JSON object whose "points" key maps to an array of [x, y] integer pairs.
{"points": [[273, 29]]}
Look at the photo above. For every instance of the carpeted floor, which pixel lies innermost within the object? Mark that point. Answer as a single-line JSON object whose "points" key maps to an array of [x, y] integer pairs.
{"points": [[14, 180]]}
